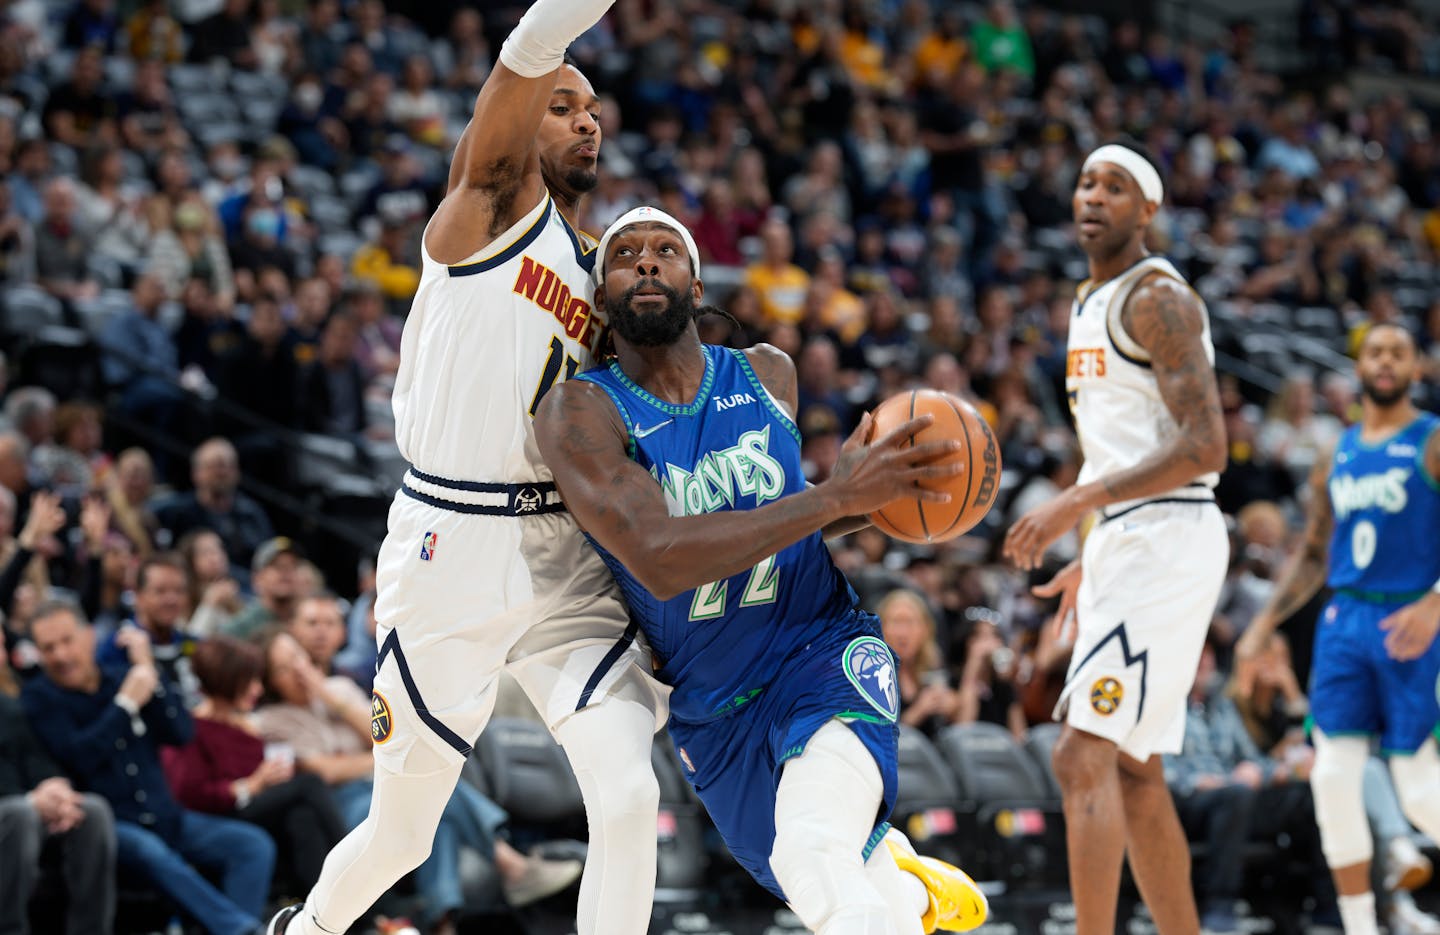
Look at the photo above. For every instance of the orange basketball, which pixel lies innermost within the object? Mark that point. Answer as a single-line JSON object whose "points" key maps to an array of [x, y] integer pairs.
{"points": [[972, 492]]}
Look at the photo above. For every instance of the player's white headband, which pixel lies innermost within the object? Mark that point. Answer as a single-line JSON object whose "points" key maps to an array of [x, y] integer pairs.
{"points": [[1132, 162], [640, 215]]}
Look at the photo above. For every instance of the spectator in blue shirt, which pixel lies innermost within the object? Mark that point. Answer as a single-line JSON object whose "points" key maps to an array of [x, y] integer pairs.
{"points": [[140, 358], [103, 726], [218, 503]]}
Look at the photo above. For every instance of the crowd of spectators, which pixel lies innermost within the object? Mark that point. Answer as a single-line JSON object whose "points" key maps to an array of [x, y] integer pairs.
{"points": [[226, 199]]}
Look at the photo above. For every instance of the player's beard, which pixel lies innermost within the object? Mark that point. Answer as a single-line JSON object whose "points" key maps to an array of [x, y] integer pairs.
{"points": [[581, 181], [1385, 398], [651, 329]]}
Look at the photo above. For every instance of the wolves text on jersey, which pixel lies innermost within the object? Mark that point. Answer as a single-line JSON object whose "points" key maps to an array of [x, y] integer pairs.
{"points": [[743, 469], [540, 284], [1385, 490]]}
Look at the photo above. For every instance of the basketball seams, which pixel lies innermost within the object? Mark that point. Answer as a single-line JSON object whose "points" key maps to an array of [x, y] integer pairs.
{"points": [[919, 504], [969, 462]]}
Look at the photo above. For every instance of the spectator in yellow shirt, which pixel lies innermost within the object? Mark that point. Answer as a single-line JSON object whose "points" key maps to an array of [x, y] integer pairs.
{"points": [[383, 262], [780, 284]]}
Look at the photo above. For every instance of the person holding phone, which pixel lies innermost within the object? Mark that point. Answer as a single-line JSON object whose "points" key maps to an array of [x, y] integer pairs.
{"points": [[228, 769]]}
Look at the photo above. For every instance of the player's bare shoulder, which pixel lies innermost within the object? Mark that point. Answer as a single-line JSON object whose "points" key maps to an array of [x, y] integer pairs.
{"points": [[577, 419], [1165, 316], [776, 372]]}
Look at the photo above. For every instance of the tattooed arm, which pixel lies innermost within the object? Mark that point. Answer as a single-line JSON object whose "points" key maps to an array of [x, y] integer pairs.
{"points": [[583, 441], [776, 372], [1304, 573], [1166, 319]]}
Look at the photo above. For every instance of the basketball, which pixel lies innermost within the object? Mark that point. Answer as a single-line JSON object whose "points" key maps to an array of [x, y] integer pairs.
{"points": [[972, 492]]}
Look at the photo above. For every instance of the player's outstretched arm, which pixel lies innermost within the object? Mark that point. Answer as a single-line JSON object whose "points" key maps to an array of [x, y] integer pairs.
{"points": [[583, 441], [495, 174], [1304, 572]]}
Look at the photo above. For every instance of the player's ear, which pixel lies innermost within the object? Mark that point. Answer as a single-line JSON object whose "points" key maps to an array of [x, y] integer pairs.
{"points": [[697, 290], [598, 300], [1147, 212]]}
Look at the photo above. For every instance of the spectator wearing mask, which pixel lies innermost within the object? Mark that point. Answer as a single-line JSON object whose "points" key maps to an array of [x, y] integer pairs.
{"points": [[229, 770], [105, 728], [38, 805]]}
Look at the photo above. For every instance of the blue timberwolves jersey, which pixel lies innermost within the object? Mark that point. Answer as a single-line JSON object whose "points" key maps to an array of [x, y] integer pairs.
{"points": [[730, 449], [1387, 511]]}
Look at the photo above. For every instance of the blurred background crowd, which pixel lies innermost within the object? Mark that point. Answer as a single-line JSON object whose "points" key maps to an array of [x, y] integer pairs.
{"points": [[209, 225]]}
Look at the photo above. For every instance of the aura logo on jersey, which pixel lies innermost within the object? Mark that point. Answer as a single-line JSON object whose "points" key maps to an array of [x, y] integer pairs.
{"points": [[871, 669], [382, 724], [745, 469], [1385, 490]]}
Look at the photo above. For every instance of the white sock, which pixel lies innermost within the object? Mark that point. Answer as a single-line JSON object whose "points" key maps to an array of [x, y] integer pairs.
{"points": [[916, 892], [1358, 914]]}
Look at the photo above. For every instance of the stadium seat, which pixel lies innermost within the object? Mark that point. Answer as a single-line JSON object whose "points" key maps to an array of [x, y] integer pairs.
{"points": [[529, 775], [928, 807], [1040, 743], [1020, 831], [30, 308]]}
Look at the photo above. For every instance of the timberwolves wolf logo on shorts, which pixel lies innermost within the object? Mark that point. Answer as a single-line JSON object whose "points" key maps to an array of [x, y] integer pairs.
{"points": [[1106, 695], [427, 546], [382, 725], [870, 668]]}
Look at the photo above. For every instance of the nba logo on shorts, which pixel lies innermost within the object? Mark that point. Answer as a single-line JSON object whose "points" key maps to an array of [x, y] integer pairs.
{"points": [[427, 546]]}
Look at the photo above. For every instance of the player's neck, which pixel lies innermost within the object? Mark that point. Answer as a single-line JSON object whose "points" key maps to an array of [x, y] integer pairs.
{"points": [[1108, 267], [672, 373], [1379, 421], [568, 204]]}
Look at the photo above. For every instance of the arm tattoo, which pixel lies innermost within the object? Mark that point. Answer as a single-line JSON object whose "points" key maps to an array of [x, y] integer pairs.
{"points": [[1165, 318], [1305, 574]]}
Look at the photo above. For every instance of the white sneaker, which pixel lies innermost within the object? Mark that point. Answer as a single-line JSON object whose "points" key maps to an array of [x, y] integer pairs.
{"points": [[1405, 867], [541, 878], [1407, 919]]}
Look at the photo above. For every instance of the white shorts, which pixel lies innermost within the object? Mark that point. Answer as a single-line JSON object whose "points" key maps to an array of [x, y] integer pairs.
{"points": [[1152, 576], [461, 597]]}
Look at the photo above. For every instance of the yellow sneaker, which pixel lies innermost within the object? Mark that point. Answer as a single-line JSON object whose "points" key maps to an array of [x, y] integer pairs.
{"points": [[956, 903]]}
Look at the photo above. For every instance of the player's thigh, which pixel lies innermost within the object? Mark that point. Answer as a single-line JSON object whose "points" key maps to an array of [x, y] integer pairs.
{"points": [[1345, 681], [580, 647], [1410, 699]]}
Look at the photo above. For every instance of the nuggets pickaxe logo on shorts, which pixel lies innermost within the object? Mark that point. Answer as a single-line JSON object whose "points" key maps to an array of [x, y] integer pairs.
{"points": [[382, 725], [1106, 695]]}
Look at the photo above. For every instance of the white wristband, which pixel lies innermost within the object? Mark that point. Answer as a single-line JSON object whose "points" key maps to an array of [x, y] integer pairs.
{"points": [[1435, 587], [137, 723], [537, 46]]}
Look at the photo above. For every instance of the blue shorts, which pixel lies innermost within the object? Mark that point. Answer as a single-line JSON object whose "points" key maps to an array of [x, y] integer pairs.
{"points": [[734, 762], [1356, 688]]}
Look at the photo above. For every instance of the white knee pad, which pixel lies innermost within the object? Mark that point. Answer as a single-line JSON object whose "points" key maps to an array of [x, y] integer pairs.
{"points": [[825, 809], [1417, 785], [1337, 783]]}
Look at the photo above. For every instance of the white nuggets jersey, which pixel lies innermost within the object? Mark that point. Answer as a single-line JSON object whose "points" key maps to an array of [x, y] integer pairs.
{"points": [[1120, 416], [486, 339]]}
